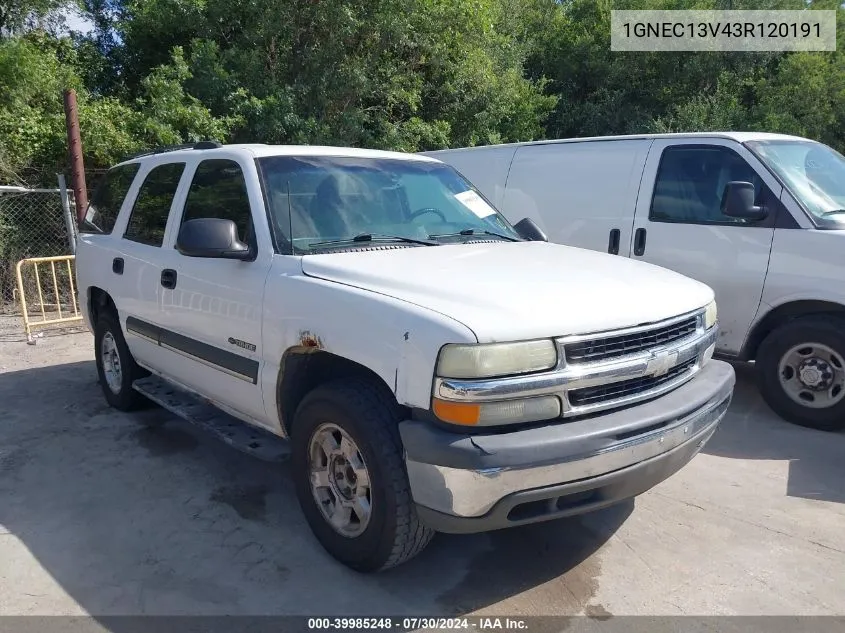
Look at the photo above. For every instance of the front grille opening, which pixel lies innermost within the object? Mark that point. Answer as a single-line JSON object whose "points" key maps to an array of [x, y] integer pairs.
{"points": [[623, 388], [602, 348]]}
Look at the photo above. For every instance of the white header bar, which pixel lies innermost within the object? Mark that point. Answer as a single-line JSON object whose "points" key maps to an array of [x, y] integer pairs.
{"points": [[743, 31]]}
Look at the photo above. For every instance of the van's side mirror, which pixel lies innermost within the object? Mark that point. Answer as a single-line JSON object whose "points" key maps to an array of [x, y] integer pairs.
{"points": [[211, 238], [527, 229], [738, 202]]}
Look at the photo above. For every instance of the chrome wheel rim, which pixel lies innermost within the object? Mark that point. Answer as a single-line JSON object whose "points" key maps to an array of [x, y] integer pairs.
{"points": [[111, 363], [813, 375], [340, 481]]}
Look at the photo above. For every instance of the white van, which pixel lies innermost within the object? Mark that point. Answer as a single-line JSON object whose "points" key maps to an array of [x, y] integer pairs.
{"points": [[758, 217]]}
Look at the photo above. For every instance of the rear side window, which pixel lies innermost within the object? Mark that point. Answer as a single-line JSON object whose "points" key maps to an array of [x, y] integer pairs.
{"points": [[152, 206], [107, 199], [219, 191]]}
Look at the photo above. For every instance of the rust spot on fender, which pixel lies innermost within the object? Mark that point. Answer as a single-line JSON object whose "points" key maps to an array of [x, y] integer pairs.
{"points": [[310, 340]]}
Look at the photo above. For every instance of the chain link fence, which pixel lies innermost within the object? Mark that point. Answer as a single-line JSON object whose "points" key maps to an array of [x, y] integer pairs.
{"points": [[34, 223]]}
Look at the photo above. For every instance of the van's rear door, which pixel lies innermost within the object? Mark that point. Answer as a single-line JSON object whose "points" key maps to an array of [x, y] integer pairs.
{"points": [[679, 224], [581, 193]]}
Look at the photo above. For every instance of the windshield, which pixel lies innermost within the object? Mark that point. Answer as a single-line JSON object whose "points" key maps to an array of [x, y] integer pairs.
{"points": [[321, 202], [813, 172]]}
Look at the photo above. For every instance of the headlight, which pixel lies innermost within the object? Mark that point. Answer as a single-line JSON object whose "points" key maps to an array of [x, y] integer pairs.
{"points": [[710, 319], [496, 359], [710, 315]]}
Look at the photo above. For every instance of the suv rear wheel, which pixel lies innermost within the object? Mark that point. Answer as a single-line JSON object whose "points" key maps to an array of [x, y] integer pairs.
{"points": [[350, 476], [116, 367], [801, 372]]}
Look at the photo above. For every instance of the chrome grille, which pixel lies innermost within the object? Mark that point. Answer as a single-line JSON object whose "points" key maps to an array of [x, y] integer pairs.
{"points": [[612, 369], [625, 388], [606, 347]]}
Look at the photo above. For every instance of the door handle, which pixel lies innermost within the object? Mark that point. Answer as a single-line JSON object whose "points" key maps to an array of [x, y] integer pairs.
{"points": [[613, 242], [117, 265], [168, 278], [639, 242]]}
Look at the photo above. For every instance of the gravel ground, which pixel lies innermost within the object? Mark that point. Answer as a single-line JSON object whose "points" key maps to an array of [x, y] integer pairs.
{"points": [[100, 515]]}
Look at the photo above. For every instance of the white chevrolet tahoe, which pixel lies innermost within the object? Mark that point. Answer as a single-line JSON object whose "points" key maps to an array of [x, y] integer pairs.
{"points": [[434, 367]]}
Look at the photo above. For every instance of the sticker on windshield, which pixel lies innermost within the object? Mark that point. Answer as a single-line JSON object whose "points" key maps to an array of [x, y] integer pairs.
{"points": [[475, 203]]}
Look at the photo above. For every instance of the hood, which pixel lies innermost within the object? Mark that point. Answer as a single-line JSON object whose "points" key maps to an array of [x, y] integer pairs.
{"points": [[518, 290]]}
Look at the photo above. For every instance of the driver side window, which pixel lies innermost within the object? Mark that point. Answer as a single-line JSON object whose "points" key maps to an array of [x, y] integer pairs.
{"points": [[691, 182], [218, 190]]}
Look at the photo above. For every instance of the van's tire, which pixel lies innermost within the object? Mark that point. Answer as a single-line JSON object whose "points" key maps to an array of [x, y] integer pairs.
{"points": [[346, 431], [801, 372], [116, 367]]}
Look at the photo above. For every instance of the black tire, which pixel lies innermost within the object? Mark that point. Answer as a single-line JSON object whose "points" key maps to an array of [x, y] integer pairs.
{"points": [[829, 331], [125, 398], [369, 415]]}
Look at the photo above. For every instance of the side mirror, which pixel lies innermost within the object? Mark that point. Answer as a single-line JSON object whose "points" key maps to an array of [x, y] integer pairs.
{"points": [[212, 238], [738, 202], [527, 229]]}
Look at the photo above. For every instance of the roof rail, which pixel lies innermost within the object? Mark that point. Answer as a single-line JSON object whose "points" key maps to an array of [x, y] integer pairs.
{"points": [[159, 150], [175, 148]]}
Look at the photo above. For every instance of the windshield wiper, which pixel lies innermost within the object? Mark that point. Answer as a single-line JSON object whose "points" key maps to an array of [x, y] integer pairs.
{"points": [[478, 232], [373, 237], [834, 212]]}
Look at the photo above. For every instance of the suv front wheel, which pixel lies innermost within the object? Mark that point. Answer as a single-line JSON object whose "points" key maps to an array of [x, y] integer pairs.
{"points": [[350, 477]]}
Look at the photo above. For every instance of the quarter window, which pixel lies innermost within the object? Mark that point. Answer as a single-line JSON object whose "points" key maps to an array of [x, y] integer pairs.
{"points": [[219, 191], [152, 206], [691, 181]]}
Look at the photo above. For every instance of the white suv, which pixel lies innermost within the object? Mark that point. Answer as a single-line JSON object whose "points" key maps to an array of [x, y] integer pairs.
{"points": [[433, 369]]}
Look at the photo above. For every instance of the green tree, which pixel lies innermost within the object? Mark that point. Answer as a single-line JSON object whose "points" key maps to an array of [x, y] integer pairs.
{"points": [[403, 74], [804, 97], [22, 15], [399, 74], [34, 72]]}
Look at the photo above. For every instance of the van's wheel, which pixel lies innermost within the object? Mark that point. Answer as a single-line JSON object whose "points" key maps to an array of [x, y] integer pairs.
{"points": [[350, 477], [801, 372], [116, 367]]}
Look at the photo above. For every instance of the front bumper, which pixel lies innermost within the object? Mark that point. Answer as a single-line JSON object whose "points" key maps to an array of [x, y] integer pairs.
{"points": [[476, 483]]}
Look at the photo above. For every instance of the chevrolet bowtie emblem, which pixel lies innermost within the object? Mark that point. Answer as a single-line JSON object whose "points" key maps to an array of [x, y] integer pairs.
{"points": [[661, 362]]}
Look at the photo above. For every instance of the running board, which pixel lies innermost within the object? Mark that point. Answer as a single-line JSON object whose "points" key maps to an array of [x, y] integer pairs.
{"points": [[237, 434]]}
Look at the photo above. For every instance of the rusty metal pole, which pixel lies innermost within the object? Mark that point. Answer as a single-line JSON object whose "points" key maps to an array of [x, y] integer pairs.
{"points": [[74, 145]]}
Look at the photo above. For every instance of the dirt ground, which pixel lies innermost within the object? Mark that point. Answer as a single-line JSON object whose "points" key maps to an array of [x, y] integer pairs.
{"points": [[101, 515]]}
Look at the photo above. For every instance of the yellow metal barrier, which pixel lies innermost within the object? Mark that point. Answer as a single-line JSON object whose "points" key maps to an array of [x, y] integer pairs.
{"points": [[29, 322]]}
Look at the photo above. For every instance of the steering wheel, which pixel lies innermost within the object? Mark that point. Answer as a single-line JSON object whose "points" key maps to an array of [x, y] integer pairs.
{"points": [[425, 210]]}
